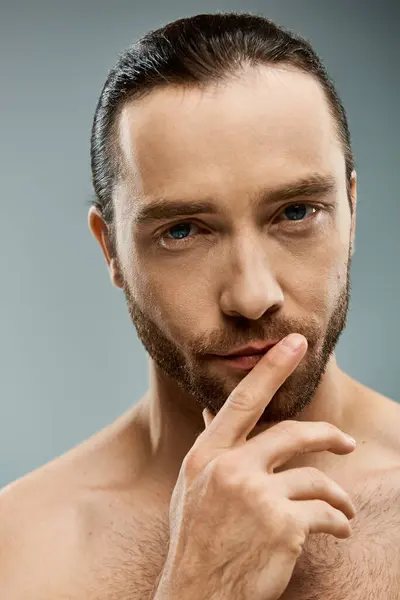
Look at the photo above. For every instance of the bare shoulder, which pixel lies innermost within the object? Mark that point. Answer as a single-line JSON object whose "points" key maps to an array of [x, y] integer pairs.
{"points": [[76, 530], [375, 422], [39, 529], [382, 413]]}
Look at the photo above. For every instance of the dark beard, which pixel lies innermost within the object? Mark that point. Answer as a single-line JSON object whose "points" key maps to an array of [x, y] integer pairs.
{"points": [[190, 373]]}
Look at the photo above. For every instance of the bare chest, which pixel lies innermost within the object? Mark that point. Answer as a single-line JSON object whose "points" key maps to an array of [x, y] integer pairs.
{"points": [[364, 567]]}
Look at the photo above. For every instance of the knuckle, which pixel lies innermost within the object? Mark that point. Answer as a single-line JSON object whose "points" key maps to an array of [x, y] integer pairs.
{"points": [[328, 425], [192, 464], [260, 494], [305, 434], [339, 515], [276, 512], [315, 475], [331, 514], [289, 427], [330, 429], [318, 481], [242, 400], [334, 515], [287, 527], [295, 536], [226, 474]]}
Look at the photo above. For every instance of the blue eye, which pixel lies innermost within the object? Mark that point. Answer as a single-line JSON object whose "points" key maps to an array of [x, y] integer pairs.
{"points": [[297, 212], [179, 231]]}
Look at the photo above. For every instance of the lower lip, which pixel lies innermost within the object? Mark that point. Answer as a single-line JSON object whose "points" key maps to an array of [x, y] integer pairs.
{"points": [[241, 362]]}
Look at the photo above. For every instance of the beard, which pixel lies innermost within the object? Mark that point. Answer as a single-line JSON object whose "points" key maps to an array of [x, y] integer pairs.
{"points": [[193, 372]]}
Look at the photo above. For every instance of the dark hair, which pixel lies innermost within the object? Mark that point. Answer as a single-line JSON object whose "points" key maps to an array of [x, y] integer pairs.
{"points": [[197, 51]]}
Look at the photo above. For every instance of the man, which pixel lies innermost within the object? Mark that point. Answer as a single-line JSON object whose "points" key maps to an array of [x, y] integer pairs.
{"points": [[225, 210]]}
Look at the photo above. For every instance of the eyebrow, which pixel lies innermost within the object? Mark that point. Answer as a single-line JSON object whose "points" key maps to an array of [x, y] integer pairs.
{"points": [[161, 209]]}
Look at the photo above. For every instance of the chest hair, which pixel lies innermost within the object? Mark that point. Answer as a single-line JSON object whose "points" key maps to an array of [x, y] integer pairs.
{"points": [[363, 567]]}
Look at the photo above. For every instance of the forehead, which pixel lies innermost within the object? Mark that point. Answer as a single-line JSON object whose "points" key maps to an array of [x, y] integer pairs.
{"points": [[268, 126]]}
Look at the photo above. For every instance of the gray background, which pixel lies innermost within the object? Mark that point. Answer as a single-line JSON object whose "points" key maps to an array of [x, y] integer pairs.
{"points": [[70, 358]]}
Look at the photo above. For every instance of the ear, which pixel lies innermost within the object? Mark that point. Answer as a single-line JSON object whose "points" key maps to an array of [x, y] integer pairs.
{"points": [[353, 200], [99, 229]]}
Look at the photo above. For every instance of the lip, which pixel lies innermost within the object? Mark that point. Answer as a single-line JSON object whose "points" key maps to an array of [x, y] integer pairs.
{"points": [[246, 357], [240, 362], [250, 350]]}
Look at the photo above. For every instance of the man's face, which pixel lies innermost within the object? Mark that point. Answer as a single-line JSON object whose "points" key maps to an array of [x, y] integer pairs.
{"points": [[262, 264]]}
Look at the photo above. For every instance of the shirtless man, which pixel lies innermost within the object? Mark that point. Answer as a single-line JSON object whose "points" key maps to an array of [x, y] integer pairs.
{"points": [[225, 210]]}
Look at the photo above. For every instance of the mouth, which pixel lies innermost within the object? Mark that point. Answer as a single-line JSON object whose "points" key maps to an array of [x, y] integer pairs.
{"points": [[244, 361]]}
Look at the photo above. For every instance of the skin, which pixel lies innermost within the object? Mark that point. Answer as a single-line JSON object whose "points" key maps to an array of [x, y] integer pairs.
{"points": [[235, 274], [248, 260], [249, 272]]}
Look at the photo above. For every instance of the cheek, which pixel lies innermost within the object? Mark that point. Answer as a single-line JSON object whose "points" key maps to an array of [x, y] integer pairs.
{"points": [[330, 287], [336, 282], [177, 300], [313, 281]]}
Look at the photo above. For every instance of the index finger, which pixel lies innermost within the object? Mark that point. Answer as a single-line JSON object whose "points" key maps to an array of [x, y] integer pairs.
{"points": [[245, 405]]}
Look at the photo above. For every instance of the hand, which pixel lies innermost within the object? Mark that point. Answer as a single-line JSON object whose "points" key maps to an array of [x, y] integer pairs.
{"points": [[236, 527]]}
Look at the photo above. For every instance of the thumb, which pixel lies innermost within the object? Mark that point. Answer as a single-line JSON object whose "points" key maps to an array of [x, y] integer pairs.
{"points": [[207, 416]]}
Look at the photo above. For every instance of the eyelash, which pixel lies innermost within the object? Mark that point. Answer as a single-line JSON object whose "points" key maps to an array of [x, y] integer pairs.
{"points": [[161, 237]]}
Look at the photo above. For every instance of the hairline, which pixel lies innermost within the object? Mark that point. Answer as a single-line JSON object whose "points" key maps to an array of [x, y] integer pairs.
{"points": [[121, 170]]}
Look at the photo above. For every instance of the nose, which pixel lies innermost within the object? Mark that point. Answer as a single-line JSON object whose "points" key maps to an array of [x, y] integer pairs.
{"points": [[251, 289]]}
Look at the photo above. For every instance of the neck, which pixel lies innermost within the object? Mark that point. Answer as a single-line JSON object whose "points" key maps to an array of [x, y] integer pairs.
{"points": [[174, 419]]}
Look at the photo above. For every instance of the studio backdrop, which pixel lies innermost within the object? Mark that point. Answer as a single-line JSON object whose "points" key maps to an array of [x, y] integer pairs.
{"points": [[70, 361]]}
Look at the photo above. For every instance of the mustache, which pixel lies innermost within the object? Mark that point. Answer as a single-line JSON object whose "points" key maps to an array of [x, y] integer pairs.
{"points": [[245, 333]]}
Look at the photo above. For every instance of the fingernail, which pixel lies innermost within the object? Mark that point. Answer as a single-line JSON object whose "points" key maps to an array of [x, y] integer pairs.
{"points": [[293, 341], [351, 439]]}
